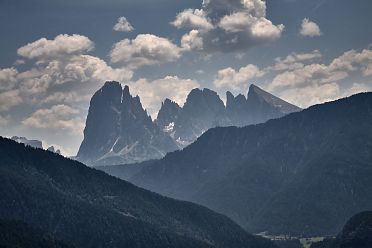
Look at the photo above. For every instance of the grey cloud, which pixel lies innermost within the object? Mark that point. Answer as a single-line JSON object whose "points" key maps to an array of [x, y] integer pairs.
{"points": [[9, 99], [4, 120], [58, 117], [232, 25]]}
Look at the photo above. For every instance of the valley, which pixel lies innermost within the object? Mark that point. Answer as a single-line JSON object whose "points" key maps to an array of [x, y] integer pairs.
{"points": [[185, 124]]}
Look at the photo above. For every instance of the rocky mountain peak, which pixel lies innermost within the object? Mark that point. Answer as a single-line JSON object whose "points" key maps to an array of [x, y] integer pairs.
{"points": [[258, 93], [119, 130], [169, 103], [257, 96], [229, 98], [204, 109], [200, 100], [111, 88], [126, 92], [168, 115]]}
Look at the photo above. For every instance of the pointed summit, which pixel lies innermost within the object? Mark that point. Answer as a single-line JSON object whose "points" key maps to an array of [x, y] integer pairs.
{"points": [[110, 84], [126, 91], [110, 87], [109, 94], [257, 96], [168, 115], [236, 109], [254, 90], [229, 98], [199, 101], [203, 110]]}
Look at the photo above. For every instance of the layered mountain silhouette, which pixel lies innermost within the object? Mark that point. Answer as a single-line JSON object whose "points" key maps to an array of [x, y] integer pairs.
{"points": [[301, 175], [32, 143], [119, 131], [357, 233], [35, 144], [88, 208], [204, 110]]}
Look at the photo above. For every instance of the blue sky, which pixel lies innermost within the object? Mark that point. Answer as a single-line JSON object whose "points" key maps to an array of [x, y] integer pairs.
{"points": [[46, 84]]}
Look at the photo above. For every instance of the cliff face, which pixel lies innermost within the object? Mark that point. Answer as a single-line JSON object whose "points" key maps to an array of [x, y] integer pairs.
{"points": [[204, 110], [119, 130]]}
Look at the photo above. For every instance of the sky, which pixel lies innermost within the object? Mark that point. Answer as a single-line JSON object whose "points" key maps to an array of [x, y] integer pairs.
{"points": [[56, 54]]}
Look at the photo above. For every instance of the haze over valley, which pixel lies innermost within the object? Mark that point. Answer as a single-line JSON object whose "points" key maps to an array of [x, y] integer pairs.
{"points": [[186, 124]]}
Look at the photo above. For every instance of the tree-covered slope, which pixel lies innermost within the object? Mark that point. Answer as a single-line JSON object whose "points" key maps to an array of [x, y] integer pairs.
{"points": [[89, 208], [357, 233], [15, 234]]}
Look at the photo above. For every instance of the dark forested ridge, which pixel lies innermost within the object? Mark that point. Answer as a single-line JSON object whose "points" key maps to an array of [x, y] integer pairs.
{"points": [[357, 233], [303, 174], [15, 234], [89, 208]]}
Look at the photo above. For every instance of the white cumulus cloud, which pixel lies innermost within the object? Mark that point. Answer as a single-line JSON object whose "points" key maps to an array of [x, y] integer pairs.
{"points": [[145, 49], [123, 25], [58, 117], [312, 94], [61, 45], [228, 25], [152, 93], [60, 68], [311, 83], [340, 68], [192, 41], [309, 28], [295, 60], [237, 81], [192, 18]]}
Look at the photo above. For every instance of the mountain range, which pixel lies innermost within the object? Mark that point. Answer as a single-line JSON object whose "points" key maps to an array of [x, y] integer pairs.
{"points": [[44, 193], [32, 143], [35, 144], [301, 175], [119, 131], [204, 110]]}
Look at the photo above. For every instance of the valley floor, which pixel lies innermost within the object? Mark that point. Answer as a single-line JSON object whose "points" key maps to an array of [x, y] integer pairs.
{"points": [[305, 242]]}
